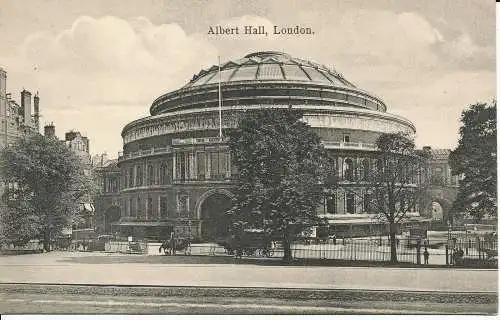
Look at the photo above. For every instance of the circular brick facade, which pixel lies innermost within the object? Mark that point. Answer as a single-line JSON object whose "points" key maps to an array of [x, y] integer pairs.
{"points": [[174, 160]]}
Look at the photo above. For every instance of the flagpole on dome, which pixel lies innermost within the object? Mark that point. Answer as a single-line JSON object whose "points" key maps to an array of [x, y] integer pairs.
{"points": [[220, 102]]}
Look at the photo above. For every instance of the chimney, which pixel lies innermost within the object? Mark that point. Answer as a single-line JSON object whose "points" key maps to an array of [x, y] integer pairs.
{"points": [[86, 142], [70, 135], [3, 93], [36, 105], [3, 83], [26, 106], [49, 130]]}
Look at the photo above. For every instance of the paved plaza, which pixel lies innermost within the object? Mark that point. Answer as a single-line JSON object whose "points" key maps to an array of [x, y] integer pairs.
{"points": [[65, 268]]}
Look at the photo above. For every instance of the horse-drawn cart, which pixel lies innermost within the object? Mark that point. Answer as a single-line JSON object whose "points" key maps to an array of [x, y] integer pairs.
{"points": [[250, 242]]}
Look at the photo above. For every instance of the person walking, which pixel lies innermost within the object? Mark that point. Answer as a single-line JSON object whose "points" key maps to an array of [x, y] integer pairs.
{"points": [[426, 256], [172, 243]]}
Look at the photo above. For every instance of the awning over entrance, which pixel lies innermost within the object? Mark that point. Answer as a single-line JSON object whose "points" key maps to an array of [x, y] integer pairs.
{"points": [[375, 221], [142, 223]]}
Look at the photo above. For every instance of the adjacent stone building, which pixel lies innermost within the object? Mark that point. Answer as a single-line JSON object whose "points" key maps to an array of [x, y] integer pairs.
{"points": [[442, 189], [17, 120], [106, 202]]}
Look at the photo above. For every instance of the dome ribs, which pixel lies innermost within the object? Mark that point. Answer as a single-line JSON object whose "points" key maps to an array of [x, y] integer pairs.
{"points": [[282, 71], [229, 64], [305, 72], [270, 65], [325, 74]]}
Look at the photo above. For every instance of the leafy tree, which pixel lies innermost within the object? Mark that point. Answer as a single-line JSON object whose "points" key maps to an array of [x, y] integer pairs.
{"points": [[475, 161], [393, 184], [281, 167], [45, 187]]}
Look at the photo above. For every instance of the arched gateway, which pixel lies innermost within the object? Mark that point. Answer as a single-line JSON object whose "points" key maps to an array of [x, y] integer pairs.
{"points": [[212, 210]]}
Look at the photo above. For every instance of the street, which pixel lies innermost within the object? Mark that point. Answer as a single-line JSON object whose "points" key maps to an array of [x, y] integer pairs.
{"points": [[98, 268], [76, 299], [77, 282]]}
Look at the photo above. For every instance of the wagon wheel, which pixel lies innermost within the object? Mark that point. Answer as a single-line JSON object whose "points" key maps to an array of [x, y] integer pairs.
{"points": [[269, 253]]}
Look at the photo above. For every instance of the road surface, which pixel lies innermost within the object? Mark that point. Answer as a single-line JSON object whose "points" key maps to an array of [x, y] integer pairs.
{"points": [[182, 300], [126, 284], [92, 268]]}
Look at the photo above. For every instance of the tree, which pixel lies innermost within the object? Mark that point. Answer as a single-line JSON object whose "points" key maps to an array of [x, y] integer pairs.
{"points": [[394, 181], [475, 161], [281, 166], [45, 187]]}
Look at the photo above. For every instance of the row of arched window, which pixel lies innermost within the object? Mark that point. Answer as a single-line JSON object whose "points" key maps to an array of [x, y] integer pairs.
{"points": [[201, 165], [216, 165], [363, 169], [151, 208], [355, 203], [151, 174]]}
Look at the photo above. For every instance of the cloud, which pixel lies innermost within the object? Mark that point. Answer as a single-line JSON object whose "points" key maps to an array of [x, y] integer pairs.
{"points": [[111, 60], [464, 53], [401, 57], [101, 73], [104, 72]]}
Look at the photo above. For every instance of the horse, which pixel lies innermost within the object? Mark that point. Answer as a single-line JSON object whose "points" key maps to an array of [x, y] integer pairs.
{"points": [[171, 246]]}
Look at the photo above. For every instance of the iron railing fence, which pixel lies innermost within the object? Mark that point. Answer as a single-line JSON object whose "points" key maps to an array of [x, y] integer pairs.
{"points": [[456, 252]]}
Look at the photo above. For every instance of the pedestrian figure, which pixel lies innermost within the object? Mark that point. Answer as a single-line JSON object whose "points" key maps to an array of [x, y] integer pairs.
{"points": [[172, 243], [334, 239], [212, 249], [426, 256]]}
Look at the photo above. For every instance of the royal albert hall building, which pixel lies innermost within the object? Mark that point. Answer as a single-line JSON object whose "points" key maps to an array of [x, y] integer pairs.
{"points": [[176, 171]]}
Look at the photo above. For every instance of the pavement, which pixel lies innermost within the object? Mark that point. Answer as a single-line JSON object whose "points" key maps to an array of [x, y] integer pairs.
{"points": [[61, 268]]}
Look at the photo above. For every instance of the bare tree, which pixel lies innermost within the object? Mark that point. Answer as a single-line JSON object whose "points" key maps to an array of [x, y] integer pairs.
{"points": [[394, 182]]}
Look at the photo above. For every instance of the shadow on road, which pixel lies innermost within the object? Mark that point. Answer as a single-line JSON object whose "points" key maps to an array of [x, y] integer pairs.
{"points": [[188, 259]]}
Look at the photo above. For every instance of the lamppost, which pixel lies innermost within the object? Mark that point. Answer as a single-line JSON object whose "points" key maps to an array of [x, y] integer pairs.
{"points": [[189, 228], [449, 229]]}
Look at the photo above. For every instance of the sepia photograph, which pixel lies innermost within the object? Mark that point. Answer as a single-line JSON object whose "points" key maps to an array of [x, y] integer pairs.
{"points": [[259, 157]]}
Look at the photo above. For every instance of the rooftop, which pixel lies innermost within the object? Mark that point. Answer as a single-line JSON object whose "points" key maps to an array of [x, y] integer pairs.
{"points": [[270, 65]]}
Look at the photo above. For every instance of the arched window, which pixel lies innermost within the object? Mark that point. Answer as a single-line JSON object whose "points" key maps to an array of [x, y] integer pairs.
{"points": [[139, 207], [131, 177], [201, 165], [349, 170], [331, 204], [163, 206], [163, 173], [365, 169], [131, 212], [151, 175], [183, 204], [139, 176], [379, 166], [367, 203], [149, 208], [349, 203]]}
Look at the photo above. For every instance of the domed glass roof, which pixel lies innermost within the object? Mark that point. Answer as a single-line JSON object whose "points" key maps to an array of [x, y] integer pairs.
{"points": [[270, 65]]}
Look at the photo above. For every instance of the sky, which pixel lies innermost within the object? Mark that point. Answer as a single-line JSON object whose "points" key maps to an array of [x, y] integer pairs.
{"points": [[98, 65]]}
